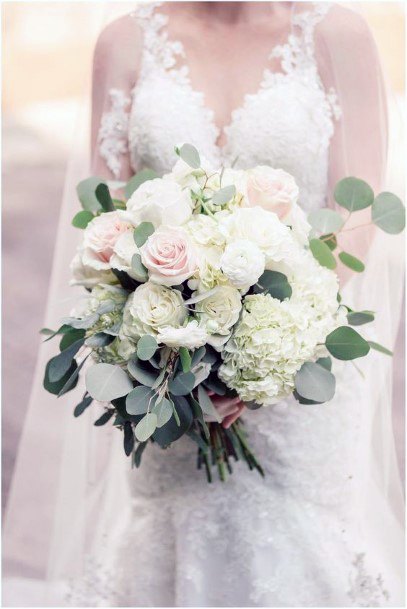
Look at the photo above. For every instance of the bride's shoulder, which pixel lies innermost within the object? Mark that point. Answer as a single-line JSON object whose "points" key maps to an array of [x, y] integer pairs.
{"points": [[343, 24], [119, 36]]}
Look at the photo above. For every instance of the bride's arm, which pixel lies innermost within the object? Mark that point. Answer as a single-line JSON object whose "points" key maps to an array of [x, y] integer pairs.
{"points": [[349, 63], [115, 65]]}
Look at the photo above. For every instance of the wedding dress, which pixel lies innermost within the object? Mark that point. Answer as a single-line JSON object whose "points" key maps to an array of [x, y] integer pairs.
{"points": [[299, 537]]}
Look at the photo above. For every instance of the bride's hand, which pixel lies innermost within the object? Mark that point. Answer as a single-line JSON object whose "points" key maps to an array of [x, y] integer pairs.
{"points": [[229, 409]]}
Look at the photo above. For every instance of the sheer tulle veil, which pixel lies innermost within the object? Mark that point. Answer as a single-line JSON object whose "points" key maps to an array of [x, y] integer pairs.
{"points": [[66, 489]]}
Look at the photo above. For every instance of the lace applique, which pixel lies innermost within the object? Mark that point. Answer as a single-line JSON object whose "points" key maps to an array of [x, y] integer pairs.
{"points": [[112, 137], [365, 590]]}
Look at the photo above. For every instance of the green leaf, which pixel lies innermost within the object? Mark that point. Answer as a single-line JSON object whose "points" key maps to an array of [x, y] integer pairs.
{"points": [[140, 400], [388, 213], [190, 155], [353, 194], [83, 405], [82, 324], [182, 383], [352, 262], [128, 439], [314, 382], [322, 253], [146, 347], [55, 387], [143, 232], [106, 416], [197, 356], [142, 176], [86, 191], [358, 318], [164, 410], [106, 382], [345, 343], [146, 427], [224, 195], [326, 221], [276, 284], [82, 219], [103, 196], [380, 348], [99, 340], [60, 364], [214, 383], [325, 362], [330, 240], [72, 381], [71, 337], [138, 268], [206, 404], [139, 371], [198, 414], [185, 358], [138, 453], [177, 426]]}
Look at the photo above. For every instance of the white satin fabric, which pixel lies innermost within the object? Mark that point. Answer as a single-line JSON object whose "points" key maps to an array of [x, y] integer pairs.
{"points": [[310, 533]]}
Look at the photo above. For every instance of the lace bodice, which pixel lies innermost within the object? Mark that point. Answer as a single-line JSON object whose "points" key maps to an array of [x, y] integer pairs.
{"points": [[287, 123]]}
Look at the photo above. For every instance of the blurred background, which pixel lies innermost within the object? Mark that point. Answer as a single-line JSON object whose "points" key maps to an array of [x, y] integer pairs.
{"points": [[47, 52]]}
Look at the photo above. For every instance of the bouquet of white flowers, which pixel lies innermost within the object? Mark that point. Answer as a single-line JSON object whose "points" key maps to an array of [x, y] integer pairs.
{"points": [[208, 281]]}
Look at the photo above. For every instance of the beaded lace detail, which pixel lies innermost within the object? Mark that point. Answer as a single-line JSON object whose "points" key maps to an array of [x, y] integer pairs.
{"points": [[112, 136], [365, 590]]}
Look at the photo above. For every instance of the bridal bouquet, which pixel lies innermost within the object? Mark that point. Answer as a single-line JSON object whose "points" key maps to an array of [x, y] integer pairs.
{"points": [[203, 282]]}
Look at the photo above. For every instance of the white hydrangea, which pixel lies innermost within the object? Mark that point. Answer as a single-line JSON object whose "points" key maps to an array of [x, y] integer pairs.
{"points": [[273, 339]]}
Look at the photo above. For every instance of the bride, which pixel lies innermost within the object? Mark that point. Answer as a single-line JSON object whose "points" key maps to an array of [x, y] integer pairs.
{"points": [[292, 85]]}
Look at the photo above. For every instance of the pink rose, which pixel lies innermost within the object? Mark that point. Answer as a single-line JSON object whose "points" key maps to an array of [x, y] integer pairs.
{"points": [[169, 256], [272, 189], [100, 238]]}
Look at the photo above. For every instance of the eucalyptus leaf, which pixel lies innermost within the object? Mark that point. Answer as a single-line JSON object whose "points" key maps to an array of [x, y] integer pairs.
{"points": [[146, 347], [206, 404], [82, 324], [141, 373], [326, 221], [198, 414], [177, 426], [60, 364], [55, 387], [185, 358], [83, 405], [380, 348], [182, 383], [388, 213], [128, 438], [86, 191], [214, 383], [345, 343], [322, 253], [140, 400], [70, 337], [146, 427], [104, 198], [164, 410], [106, 416], [72, 381], [106, 382], [142, 176], [190, 155], [99, 340], [82, 219], [138, 453], [224, 195], [142, 233], [330, 240], [314, 382], [351, 262], [353, 194], [358, 318], [138, 268], [325, 362], [197, 355], [274, 283]]}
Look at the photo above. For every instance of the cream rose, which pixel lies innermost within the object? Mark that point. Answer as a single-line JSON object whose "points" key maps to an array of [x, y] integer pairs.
{"points": [[159, 202], [151, 307], [191, 336], [169, 256], [123, 253], [242, 262], [218, 313], [88, 276], [272, 189], [100, 237]]}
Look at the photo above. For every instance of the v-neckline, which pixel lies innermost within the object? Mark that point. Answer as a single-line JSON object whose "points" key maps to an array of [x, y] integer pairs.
{"points": [[182, 74]]}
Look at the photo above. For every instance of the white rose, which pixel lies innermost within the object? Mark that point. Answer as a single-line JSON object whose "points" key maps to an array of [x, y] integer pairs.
{"points": [[300, 226], [169, 256], [242, 262], [160, 202], [188, 177], [272, 189], [123, 253], [151, 307], [88, 276], [204, 230], [219, 312], [191, 336], [100, 237]]}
